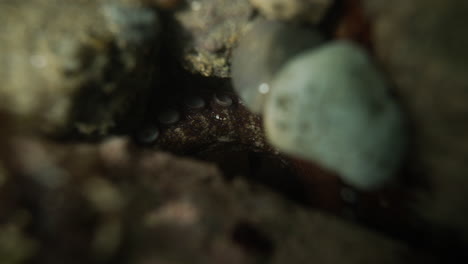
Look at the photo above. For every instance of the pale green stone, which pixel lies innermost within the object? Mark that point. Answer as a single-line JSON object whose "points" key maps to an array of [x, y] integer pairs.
{"points": [[332, 106]]}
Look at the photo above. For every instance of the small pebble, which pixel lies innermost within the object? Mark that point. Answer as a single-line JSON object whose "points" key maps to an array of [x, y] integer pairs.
{"points": [[194, 102], [223, 100]]}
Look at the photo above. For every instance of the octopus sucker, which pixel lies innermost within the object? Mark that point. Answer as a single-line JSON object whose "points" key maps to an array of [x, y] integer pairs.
{"points": [[168, 117], [194, 102], [222, 99], [148, 134]]}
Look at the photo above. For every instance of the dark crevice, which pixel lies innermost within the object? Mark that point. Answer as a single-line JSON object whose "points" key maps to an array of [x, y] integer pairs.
{"points": [[252, 239], [264, 169]]}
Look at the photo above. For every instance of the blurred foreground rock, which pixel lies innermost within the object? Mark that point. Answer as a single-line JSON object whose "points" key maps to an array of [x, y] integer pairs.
{"points": [[80, 203], [76, 64]]}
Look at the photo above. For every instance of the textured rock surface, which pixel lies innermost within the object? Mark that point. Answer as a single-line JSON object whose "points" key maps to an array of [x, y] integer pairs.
{"points": [[207, 30], [422, 45], [84, 72], [311, 11], [261, 53], [333, 107]]}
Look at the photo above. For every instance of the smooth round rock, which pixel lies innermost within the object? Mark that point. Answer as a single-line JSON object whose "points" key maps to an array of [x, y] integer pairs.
{"points": [[332, 106], [261, 52]]}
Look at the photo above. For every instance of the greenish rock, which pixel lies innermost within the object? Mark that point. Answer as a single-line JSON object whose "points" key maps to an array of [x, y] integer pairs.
{"points": [[261, 53], [333, 107]]}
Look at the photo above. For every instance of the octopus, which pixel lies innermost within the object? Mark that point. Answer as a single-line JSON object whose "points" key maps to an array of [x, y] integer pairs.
{"points": [[206, 118], [212, 123]]}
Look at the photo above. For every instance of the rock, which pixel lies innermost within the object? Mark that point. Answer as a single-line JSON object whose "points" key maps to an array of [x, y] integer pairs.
{"points": [[332, 106], [311, 11], [422, 46], [261, 53], [205, 31], [138, 211], [75, 65]]}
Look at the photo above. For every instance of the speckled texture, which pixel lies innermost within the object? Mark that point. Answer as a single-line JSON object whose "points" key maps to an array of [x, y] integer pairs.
{"points": [[207, 30], [332, 106]]}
